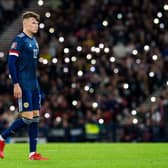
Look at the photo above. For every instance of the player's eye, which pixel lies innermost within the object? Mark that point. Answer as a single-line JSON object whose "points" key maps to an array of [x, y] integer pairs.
{"points": [[35, 23]]}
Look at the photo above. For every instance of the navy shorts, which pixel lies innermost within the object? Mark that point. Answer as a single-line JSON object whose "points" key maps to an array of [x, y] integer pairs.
{"points": [[30, 100]]}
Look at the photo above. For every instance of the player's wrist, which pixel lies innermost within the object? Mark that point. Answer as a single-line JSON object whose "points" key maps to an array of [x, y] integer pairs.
{"points": [[16, 85]]}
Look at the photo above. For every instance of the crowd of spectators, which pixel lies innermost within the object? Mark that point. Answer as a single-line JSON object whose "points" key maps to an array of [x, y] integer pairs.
{"points": [[9, 10], [99, 62]]}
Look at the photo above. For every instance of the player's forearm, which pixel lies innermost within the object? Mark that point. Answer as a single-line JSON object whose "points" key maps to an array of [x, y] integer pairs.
{"points": [[12, 68]]}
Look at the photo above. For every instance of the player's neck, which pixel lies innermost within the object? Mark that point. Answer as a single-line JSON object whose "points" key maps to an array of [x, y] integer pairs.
{"points": [[29, 34]]}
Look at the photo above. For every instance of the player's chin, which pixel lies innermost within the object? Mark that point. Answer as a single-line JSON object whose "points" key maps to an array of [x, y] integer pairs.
{"points": [[35, 31]]}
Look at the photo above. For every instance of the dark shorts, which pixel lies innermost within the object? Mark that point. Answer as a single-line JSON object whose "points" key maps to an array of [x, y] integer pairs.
{"points": [[31, 100]]}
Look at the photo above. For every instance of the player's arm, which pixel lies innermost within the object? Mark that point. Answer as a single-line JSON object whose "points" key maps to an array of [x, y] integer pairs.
{"points": [[12, 70], [12, 58]]}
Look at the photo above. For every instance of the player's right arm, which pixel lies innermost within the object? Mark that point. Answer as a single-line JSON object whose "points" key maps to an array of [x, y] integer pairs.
{"points": [[12, 59]]}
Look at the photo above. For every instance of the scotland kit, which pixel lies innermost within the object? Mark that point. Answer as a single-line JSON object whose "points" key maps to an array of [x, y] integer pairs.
{"points": [[22, 62]]}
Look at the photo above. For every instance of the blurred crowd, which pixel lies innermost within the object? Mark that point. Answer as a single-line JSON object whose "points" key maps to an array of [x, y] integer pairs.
{"points": [[9, 10], [99, 62]]}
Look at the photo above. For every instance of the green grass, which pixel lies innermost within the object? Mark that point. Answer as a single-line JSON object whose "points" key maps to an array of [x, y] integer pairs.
{"points": [[89, 155]]}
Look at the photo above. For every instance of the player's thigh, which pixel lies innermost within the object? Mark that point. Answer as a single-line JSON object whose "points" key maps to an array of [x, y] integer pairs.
{"points": [[36, 102], [36, 113], [25, 104], [27, 114]]}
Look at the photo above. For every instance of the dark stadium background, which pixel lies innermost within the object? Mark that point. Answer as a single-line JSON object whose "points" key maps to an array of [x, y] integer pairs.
{"points": [[102, 69]]}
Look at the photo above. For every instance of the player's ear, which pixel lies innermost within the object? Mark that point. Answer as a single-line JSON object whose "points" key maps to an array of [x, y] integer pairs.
{"points": [[23, 21]]}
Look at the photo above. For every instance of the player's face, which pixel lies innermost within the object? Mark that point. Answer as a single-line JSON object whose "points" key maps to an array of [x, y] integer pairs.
{"points": [[31, 25]]}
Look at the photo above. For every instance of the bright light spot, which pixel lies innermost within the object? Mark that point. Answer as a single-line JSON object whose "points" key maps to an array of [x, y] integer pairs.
{"points": [[2, 54], [159, 14], [92, 69], [134, 52], [54, 60], [162, 26], [91, 90], [101, 121], [119, 16], [51, 30], [66, 50], [167, 83], [135, 121], [80, 73], [65, 70], [101, 45], [112, 59], [73, 59], [41, 59], [105, 23], [12, 108], [47, 115], [155, 57], [133, 112], [67, 60], [94, 104], [153, 99], [73, 85], [138, 61], [146, 47], [9, 76], [93, 49], [93, 61], [88, 56], [45, 61], [125, 86], [156, 21], [40, 2], [74, 102], [79, 48], [61, 39], [86, 88], [165, 7], [116, 70], [48, 14], [97, 50], [58, 119], [106, 50], [41, 25], [151, 74]]}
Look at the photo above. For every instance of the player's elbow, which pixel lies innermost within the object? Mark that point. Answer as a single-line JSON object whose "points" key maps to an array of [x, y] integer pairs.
{"points": [[11, 62]]}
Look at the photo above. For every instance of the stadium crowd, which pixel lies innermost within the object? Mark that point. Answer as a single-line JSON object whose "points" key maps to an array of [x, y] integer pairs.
{"points": [[99, 62], [9, 10]]}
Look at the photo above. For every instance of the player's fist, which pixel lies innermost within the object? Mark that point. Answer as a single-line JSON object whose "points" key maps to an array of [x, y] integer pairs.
{"points": [[17, 91]]}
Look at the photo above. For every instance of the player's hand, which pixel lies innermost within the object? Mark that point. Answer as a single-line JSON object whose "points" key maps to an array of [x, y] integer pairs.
{"points": [[17, 91]]}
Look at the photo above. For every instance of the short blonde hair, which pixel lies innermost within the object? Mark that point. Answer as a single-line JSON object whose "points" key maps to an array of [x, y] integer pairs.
{"points": [[29, 14]]}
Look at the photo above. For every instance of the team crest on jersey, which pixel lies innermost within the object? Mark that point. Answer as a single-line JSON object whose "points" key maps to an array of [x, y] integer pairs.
{"points": [[26, 105], [14, 45]]}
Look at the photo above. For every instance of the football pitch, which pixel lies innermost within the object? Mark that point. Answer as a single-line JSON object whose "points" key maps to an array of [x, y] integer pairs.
{"points": [[89, 155]]}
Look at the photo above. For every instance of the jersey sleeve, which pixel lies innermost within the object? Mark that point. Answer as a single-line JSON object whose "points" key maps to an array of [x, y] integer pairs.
{"points": [[14, 53], [15, 47]]}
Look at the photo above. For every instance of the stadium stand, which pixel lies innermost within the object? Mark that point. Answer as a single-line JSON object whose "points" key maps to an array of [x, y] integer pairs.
{"points": [[9, 10], [99, 62]]}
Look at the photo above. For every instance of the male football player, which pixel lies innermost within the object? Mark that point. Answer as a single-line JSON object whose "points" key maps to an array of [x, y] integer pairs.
{"points": [[22, 63]]}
